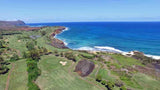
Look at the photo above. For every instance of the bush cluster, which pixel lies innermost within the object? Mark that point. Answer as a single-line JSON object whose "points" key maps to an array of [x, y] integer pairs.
{"points": [[110, 85], [70, 56], [15, 57], [3, 68], [87, 56], [33, 73]]}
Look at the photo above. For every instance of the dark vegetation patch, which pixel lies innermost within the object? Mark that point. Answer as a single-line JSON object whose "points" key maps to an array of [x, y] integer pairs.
{"points": [[33, 73], [3, 68], [84, 67], [13, 33], [87, 56], [33, 57]]}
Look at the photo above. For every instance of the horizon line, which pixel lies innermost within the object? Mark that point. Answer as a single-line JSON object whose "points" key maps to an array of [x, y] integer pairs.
{"points": [[85, 21]]}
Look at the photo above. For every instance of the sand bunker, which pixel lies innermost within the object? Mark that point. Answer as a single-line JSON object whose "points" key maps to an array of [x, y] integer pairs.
{"points": [[63, 63]]}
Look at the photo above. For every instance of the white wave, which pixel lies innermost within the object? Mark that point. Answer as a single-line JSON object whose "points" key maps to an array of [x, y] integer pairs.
{"points": [[106, 48], [85, 48], [153, 56], [65, 43], [111, 49], [100, 48], [66, 29]]}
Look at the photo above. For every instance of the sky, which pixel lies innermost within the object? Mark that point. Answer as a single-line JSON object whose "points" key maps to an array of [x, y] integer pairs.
{"points": [[38, 11]]}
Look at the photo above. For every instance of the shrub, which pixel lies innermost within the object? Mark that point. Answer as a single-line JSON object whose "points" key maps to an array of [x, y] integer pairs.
{"points": [[110, 85], [30, 45], [2, 44], [32, 86], [33, 73], [99, 78], [103, 82], [118, 83], [34, 54], [25, 55], [56, 53], [3, 68], [88, 56], [43, 33], [70, 56], [15, 57]]}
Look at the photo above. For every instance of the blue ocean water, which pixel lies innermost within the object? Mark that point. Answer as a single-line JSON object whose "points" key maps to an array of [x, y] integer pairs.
{"points": [[118, 36]]}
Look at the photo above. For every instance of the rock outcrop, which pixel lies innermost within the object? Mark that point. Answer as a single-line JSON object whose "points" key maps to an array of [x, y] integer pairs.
{"points": [[84, 67]]}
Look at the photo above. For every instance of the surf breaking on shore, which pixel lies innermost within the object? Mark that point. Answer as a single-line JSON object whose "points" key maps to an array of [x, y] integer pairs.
{"points": [[104, 48]]}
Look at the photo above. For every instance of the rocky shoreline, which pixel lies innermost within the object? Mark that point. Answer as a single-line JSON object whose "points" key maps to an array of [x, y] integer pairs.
{"points": [[60, 44], [56, 42]]}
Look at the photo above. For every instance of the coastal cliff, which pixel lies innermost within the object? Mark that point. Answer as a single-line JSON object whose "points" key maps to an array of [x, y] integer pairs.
{"points": [[56, 42]]}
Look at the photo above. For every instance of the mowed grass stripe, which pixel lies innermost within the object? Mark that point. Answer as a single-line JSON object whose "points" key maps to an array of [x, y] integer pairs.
{"points": [[59, 77], [18, 77]]}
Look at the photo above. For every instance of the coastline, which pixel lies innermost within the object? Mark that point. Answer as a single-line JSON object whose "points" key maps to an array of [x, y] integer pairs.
{"points": [[99, 48], [55, 41]]}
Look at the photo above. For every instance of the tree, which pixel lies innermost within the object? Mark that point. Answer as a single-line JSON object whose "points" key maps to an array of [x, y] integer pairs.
{"points": [[34, 54]]}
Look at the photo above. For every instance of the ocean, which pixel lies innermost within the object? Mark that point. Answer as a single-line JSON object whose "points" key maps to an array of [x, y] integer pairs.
{"points": [[111, 36]]}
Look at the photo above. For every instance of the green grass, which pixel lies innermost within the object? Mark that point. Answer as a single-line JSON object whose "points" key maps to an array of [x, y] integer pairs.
{"points": [[126, 61], [3, 79], [54, 76], [147, 82], [19, 78], [104, 74]]}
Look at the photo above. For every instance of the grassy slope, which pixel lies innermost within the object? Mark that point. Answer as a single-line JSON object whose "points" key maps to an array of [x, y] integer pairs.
{"points": [[147, 82], [57, 77], [3, 80], [19, 78]]}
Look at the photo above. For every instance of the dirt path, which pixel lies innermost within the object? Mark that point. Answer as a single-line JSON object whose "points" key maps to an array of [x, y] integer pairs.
{"points": [[7, 83]]}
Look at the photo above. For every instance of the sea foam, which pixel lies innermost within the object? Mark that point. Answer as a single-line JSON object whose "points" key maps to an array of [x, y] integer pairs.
{"points": [[112, 49]]}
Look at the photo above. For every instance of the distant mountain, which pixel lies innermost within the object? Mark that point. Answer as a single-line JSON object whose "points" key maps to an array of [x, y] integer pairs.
{"points": [[16, 25], [11, 23]]}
